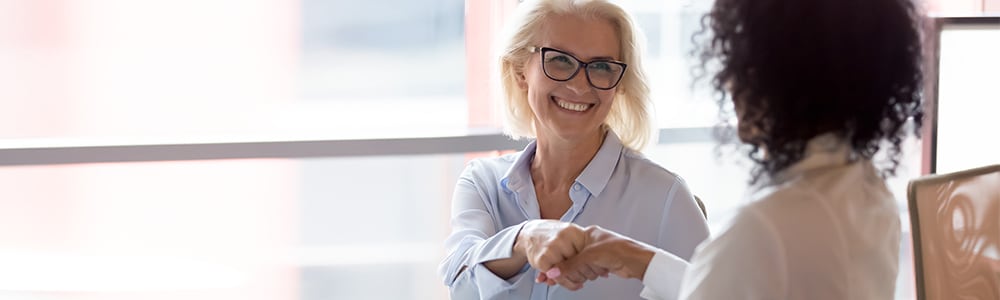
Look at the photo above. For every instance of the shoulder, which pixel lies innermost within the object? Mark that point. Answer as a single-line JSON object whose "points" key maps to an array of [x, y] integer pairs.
{"points": [[784, 209], [751, 223], [502, 162], [490, 169], [794, 213], [775, 199], [644, 171]]}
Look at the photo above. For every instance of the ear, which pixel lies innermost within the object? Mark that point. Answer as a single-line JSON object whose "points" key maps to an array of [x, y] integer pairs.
{"points": [[522, 82]]}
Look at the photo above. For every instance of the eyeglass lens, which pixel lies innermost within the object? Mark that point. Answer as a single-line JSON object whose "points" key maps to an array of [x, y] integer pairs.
{"points": [[561, 67]]}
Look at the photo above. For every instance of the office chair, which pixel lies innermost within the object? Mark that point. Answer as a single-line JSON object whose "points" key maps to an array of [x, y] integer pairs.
{"points": [[955, 219]]}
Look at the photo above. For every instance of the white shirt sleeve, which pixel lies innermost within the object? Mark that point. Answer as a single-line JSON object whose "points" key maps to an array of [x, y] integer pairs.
{"points": [[746, 261], [663, 276]]}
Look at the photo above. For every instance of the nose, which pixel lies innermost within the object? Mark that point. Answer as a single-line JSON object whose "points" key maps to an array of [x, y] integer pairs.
{"points": [[579, 82]]}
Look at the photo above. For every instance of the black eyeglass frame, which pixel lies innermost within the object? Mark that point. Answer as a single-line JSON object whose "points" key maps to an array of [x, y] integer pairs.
{"points": [[580, 65]]}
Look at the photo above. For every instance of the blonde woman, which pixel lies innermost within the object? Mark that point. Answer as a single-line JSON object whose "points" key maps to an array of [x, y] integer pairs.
{"points": [[573, 81]]}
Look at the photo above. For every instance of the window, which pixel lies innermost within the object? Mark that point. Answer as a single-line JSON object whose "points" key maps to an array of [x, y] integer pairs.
{"points": [[280, 150], [966, 95]]}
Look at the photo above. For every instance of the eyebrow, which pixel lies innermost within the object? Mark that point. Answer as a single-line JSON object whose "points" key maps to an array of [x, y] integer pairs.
{"points": [[591, 59]]}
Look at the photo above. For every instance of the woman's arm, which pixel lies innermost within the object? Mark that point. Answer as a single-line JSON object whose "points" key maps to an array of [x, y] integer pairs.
{"points": [[484, 261], [475, 240]]}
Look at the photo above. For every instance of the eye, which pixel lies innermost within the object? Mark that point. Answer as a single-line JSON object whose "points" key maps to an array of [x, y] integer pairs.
{"points": [[560, 59], [603, 66]]}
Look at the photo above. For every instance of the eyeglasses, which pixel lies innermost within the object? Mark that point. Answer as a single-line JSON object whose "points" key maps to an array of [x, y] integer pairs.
{"points": [[602, 74]]}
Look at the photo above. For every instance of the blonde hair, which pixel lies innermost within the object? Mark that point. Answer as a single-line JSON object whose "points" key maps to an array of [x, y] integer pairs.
{"points": [[629, 116]]}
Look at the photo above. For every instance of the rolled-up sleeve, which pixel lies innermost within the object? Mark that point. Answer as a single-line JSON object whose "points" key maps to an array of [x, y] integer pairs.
{"points": [[474, 239]]}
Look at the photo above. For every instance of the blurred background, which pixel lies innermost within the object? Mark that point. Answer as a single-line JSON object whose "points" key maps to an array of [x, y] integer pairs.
{"points": [[107, 108]]}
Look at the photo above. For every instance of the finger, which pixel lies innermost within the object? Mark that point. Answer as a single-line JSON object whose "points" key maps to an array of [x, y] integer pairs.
{"points": [[568, 284], [573, 237], [579, 273], [621, 273], [570, 279], [588, 272], [575, 277], [599, 256], [589, 264], [562, 244], [579, 263], [564, 247], [546, 259], [541, 277], [598, 271], [554, 253], [603, 272]]}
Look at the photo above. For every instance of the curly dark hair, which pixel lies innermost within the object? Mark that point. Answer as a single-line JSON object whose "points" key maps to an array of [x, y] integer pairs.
{"points": [[801, 68]]}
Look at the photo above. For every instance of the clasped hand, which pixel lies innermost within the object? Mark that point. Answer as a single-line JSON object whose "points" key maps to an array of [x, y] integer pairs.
{"points": [[569, 255]]}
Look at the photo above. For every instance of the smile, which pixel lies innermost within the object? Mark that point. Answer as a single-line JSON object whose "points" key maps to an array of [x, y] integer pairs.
{"points": [[578, 107]]}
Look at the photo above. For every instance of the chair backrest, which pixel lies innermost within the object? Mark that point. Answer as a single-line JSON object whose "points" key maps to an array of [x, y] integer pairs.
{"points": [[701, 205], [956, 234]]}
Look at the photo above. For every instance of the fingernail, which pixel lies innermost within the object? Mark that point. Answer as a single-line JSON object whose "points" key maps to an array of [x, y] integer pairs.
{"points": [[553, 273]]}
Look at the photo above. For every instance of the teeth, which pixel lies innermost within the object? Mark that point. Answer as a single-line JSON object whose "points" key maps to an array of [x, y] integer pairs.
{"points": [[572, 106]]}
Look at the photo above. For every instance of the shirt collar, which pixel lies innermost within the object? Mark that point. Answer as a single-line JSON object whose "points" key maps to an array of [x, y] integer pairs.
{"points": [[823, 151], [594, 177], [598, 172], [518, 173]]}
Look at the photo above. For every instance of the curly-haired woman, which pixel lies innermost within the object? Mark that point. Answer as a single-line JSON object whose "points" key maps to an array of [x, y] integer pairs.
{"points": [[818, 88]]}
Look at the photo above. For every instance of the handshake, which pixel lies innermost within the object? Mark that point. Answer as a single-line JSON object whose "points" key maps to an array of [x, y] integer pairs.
{"points": [[569, 255]]}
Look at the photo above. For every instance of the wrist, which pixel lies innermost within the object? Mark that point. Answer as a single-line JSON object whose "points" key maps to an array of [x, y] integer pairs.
{"points": [[636, 258], [519, 250], [641, 263]]}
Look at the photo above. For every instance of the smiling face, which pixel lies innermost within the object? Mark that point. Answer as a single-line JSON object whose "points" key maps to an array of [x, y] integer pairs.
{"points": [[573, 109]]}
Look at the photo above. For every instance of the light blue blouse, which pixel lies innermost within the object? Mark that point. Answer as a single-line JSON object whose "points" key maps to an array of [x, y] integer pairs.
{"points": [[619, 190]]}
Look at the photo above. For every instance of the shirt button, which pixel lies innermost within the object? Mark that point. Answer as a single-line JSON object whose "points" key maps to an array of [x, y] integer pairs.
{"points": [[576, 187]]}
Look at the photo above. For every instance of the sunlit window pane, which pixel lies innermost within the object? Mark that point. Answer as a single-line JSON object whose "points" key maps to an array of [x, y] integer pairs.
{"points": [[239, 229], [967, 97], [326, 68]]}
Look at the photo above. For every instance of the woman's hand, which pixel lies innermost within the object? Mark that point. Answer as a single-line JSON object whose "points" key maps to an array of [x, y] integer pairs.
{"points": [[540, 243], [547, 242], [604, 252]]}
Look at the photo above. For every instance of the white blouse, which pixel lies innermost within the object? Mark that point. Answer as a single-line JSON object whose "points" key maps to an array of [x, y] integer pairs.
{"points": [[827, 228]]}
